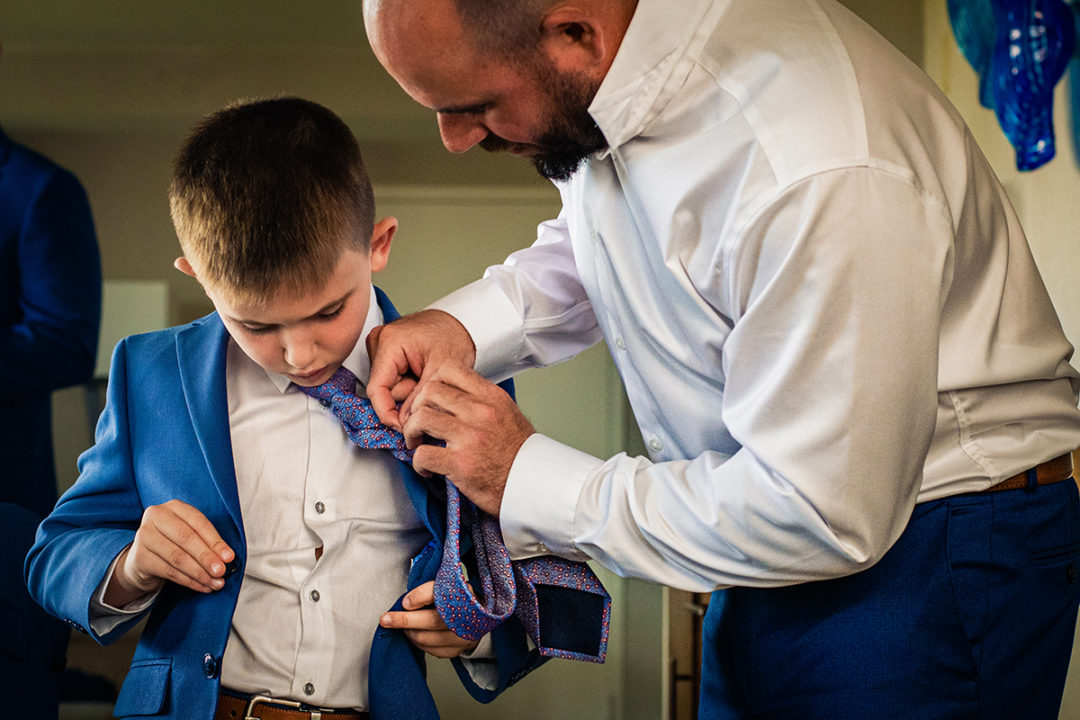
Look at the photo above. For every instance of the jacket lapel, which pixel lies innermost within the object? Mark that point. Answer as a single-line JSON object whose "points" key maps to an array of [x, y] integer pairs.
{"points": [[200, 355], [418, 488]]}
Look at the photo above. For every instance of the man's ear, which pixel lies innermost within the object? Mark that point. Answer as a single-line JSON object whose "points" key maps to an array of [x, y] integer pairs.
{"points": [[181, 263], [578, 37], [381, 238]]}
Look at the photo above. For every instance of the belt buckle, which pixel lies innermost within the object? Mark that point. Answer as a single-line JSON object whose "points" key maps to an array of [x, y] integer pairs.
{"points": [[316, 713]]}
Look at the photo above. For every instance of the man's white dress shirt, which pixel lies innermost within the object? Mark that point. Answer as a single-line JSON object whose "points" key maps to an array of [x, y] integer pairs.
{"points": [[816, 292]]}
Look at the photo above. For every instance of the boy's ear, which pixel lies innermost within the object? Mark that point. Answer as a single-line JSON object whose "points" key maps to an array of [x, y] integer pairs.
{"points": [[381, 237], [181, 263]]}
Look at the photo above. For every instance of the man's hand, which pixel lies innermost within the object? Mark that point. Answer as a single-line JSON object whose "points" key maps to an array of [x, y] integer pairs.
{"points": [[408, 349], [423, 626], [174, 542], [482, 427]]}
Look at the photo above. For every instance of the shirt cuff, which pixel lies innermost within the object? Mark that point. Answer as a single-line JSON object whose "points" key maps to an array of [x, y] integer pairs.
{"points": [[541, 496], [493, 323], [480, 664], [104, 618]]}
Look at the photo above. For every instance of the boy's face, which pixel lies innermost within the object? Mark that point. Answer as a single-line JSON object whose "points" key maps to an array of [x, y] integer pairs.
{"points": [[307, 338]]}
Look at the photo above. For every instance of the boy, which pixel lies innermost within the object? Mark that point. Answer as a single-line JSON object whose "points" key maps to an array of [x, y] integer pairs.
{"points": [[211, 465]]}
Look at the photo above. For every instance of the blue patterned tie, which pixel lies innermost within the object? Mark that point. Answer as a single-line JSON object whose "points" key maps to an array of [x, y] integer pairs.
{"points": [[561, 603]]}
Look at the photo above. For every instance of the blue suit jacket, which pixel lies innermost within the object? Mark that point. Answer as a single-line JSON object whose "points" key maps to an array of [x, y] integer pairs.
{"points": [[50, 307], [164, 434]]}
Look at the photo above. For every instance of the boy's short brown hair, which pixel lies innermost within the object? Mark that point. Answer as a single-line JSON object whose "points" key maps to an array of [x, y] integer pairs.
{"points": [[266, 194]]}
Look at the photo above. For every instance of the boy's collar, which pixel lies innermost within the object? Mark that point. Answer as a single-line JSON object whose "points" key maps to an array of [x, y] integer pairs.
{"points": [[357, 362]]}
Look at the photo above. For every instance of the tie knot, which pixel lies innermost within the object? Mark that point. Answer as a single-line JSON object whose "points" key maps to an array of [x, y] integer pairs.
{"points": [[356, 414], [342, 382]]}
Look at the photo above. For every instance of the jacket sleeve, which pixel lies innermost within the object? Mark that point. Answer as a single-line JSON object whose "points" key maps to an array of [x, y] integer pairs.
{"points": [[93, 521]]}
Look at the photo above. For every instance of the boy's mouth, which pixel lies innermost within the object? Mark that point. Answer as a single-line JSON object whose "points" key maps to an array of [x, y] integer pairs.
{"points": [[306, 378]]}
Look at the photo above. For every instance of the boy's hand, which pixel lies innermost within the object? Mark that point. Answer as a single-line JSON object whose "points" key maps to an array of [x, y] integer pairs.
{"points": [[423, 626], [174, 542]]}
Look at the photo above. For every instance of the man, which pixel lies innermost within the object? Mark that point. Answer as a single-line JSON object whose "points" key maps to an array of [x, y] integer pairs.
{"points": [[854, 390]]}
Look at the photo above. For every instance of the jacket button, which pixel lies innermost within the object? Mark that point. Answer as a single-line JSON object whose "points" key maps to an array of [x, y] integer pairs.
{"points": [[232, 567], [210, 666]]}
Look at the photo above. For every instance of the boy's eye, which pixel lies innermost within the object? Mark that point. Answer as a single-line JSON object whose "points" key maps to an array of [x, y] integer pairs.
{"points": [[261, 330], [333, 313]]}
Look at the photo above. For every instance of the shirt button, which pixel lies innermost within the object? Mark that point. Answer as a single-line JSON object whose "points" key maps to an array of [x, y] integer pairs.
{"points": [[325, 403], [210, 666], [320, 508], [619, 342], [315, 596], [655, 445], [542, 547], [309, 689]]}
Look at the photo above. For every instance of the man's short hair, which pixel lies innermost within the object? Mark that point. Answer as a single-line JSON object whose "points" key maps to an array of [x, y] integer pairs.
{"points": [[265, 196], [509, 29]]}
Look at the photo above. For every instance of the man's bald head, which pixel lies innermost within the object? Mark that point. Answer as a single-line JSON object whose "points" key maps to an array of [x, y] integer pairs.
{"points": [[507, 29]]}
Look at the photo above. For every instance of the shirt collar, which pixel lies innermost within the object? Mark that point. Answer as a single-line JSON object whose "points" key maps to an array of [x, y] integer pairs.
{"points": [[357, 361], [637, 83]]}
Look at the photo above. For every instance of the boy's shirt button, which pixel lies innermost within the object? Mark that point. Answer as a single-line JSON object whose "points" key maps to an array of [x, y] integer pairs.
{"points": [[309, 689], [325, 403], [320, 507]]}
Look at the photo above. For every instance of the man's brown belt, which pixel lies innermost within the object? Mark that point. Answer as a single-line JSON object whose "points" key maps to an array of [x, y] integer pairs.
{"points": [[1051, 471]]}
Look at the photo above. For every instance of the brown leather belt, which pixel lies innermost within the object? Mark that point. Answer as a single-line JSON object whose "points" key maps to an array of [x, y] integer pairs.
{"points": [[261, 707], [1051, 471]]}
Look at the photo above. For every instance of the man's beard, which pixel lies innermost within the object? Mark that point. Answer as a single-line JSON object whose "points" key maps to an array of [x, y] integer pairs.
{"points": [[571, 136]]}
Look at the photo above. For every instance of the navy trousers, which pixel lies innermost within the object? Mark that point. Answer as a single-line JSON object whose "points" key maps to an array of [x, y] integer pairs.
{"points": [[970, 615]]}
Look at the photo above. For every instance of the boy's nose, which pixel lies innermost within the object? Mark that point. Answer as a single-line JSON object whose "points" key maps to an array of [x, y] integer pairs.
{"points": [[299, 349], [460, 132]]}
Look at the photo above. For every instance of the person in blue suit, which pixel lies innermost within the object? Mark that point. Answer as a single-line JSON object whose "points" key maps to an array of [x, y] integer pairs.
{"points": [[50, 311], [229, 505]]}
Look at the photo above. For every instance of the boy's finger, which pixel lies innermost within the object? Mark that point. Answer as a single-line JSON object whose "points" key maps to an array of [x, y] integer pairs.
{"points": [[206, 532], [420, 596], [181, 546], [441, 644], [413, 620], [176, 566]]}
